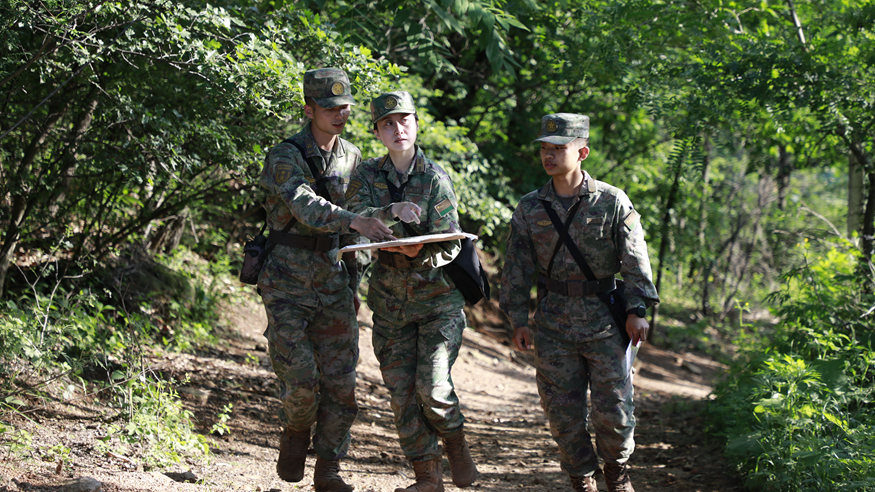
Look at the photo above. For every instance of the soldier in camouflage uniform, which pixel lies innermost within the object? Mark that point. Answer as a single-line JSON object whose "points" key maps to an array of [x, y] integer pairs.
{"points": [[576, 342], [312, 330], [418, 317]]}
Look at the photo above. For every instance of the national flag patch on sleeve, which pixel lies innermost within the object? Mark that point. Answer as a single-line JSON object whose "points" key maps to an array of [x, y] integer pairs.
{"points": [[631, 220], [444, 207]]}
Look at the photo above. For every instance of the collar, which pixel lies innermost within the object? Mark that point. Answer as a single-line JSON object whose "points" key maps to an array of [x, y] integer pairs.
{"points": [[313, 150], [549, 193], [418, 166]]}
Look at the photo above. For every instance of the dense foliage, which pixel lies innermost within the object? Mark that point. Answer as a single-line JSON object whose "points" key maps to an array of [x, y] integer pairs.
{"points": [[798, 410]]}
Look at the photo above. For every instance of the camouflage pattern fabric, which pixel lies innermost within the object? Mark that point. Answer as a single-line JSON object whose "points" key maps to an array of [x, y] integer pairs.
{"points": [[424, 287], [392, 103], [416, 360], [574, 336], [562, 128], [418, 318], [312, 329], [608, 232], [288, 180], [563, 370], [329, 87], [314, 351]]}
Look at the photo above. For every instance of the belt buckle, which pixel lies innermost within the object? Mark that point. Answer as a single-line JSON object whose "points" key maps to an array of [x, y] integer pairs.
{"points": [[575, 289]]}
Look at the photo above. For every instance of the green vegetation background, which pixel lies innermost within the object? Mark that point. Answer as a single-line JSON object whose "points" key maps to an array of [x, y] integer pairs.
{"points": [[132, 136]]}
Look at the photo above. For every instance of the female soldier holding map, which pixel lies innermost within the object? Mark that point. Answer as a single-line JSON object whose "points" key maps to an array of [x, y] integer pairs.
{"points": [[418, 317]]}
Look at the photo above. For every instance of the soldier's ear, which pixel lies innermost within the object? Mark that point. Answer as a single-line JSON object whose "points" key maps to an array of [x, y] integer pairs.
{"points": [[308, 111], [584, 152]]}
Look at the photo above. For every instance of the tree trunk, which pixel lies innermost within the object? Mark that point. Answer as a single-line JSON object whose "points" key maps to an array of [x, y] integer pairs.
{"points": [[855, 196], [8, 247], [68, 157], [21, 205], [664, 238], [783, 176], [869, 220]]}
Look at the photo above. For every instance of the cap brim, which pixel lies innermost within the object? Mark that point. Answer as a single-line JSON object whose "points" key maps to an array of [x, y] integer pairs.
{"points": [[333, 102], [395, 111], [555, 139]]}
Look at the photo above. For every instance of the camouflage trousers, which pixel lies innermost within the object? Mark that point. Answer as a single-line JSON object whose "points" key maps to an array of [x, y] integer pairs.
{"points": [[416, 359], [314, 351], [564, 369]]}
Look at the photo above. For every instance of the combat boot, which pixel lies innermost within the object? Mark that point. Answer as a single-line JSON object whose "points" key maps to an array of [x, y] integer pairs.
{"points": [[428, 477], [461, 465], [326, 478], [584, 484], [293, 454], [617, 477]]}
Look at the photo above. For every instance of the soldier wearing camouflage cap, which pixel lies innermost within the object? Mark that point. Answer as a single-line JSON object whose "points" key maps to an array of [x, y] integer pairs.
{"points": [[418, 317], [576, 341], [309, 297]]}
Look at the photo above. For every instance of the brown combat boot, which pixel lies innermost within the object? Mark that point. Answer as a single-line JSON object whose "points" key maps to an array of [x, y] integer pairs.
{"points": [[326, 478], [617, 477], [461, 465], [428, 477], [293, 454], [584, 484]]}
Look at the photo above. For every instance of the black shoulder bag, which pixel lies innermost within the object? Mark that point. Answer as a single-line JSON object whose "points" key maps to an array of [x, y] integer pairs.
{"points": [[465, 270], [616, 298], [257, 249]]}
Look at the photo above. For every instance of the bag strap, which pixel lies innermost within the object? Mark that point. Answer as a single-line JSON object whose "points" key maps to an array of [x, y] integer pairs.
{"points": [[321, 190], [320, 187], [563, 229]]}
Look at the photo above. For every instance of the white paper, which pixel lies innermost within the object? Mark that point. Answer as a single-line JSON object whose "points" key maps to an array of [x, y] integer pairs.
{"points": [[407, 241], [631, 353]]}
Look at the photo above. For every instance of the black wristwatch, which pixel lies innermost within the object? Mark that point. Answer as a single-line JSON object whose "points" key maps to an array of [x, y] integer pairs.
{"points": [[639, 311]]}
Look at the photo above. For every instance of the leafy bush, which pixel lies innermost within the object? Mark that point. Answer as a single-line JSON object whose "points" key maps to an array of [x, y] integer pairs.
{"points": [[156, 420], [798, 411]]}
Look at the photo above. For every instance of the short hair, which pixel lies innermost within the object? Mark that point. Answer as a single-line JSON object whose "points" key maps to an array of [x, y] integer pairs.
{"points": [[584, 139], [309, 101], [415, 118]]}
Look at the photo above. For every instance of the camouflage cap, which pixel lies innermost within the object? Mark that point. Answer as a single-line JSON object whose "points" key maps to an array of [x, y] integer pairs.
{"points": [[562, 128], [391, 103], [329, 87]]}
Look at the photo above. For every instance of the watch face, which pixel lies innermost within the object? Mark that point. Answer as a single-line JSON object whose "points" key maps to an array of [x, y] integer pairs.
{"points": [[639, 311]]}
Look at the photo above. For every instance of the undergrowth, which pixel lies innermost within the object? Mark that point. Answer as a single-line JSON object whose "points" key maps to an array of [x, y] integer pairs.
{"points": [[68, 341], [798, 410]]}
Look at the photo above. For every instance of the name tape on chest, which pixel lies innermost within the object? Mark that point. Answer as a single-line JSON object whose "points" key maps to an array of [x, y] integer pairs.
{"points": [[444, 207]]}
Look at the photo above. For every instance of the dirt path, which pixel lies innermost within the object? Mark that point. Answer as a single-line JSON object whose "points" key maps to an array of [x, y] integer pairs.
{"points": [[507, 430]]}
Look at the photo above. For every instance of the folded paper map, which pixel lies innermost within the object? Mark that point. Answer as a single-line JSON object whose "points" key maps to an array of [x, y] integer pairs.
{"points": [[407, 241]]}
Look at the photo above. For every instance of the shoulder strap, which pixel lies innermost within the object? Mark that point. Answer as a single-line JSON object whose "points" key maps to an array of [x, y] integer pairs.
{"points": [[397, 194], [562, 229], [319, 185]]}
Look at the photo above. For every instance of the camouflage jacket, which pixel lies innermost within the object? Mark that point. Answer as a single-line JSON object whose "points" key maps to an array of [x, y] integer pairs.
{"points": [[608, 232], [424, 286], [287, 179]]}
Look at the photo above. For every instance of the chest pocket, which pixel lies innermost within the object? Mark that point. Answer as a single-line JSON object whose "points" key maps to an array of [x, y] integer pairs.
{"points": [[597, 228]]}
